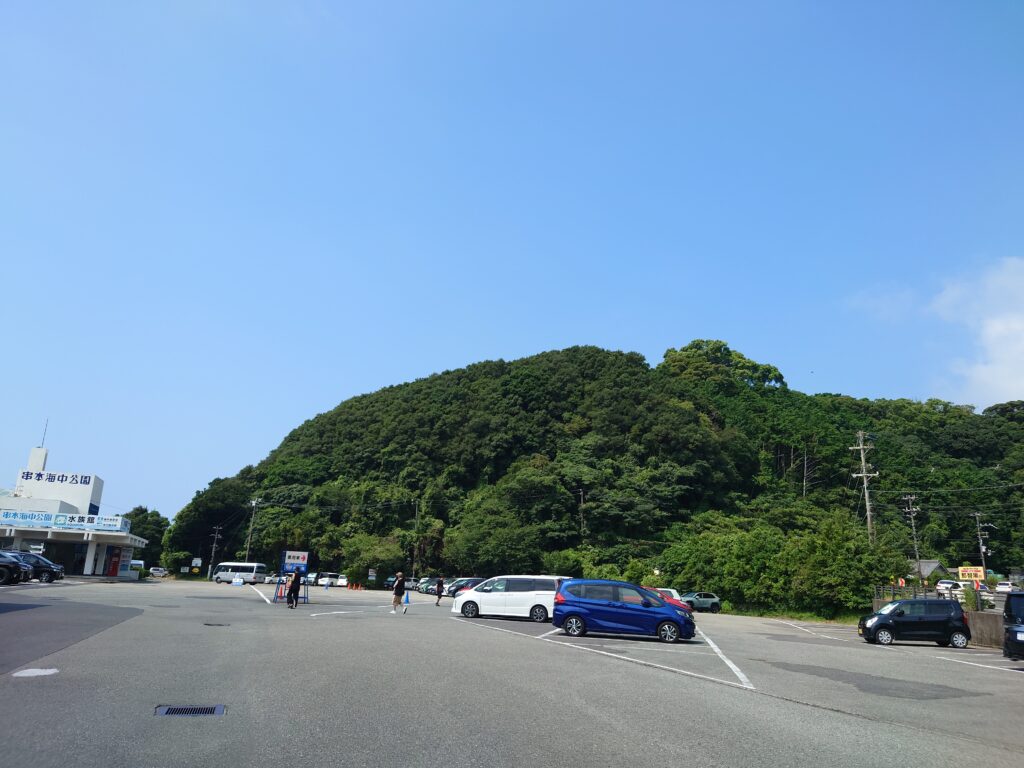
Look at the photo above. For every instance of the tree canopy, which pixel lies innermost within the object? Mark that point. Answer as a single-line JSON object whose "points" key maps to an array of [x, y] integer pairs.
{"points": [[707, 469]]}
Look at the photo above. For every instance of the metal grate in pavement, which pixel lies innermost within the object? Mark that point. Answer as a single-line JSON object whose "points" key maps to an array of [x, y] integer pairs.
{"points": [[189, 710]]}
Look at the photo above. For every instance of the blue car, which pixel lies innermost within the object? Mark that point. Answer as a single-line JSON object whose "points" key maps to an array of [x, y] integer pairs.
{"points": [[616, 607]]}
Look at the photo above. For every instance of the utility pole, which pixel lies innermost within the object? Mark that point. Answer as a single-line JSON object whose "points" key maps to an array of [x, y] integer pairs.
{"points": [[911, 512], [583, 522], [248, 541], [981, 541], [865, 476], [416, 550], [213, 553]]}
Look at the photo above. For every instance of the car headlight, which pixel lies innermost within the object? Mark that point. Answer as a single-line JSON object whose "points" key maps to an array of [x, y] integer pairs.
{"points": [[871, 622], [684, 614]]}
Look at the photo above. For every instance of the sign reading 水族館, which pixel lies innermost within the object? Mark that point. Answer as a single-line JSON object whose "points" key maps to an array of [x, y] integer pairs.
{"points": [[971, 573], [70, 522], [295, 562]]}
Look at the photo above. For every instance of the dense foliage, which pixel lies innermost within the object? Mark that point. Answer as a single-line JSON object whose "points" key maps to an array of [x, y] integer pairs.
{"points": [[705, 471], [150, 525]]}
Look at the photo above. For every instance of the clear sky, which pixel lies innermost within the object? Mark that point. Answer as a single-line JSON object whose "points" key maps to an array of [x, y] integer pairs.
{"points": [[218, 219]]}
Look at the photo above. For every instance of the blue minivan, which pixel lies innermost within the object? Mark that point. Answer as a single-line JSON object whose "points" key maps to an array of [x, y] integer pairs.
{"points": [[616, 607], [1013, 626]]}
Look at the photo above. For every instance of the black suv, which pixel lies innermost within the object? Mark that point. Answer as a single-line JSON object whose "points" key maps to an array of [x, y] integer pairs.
{"points": [[942, 621], [1013, 626], [45, 570], [13, 569]]}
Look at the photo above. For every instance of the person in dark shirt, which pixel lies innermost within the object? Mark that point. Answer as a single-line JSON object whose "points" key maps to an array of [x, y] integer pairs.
{"points": [[294, 585], [439, 589], [399, 593]]}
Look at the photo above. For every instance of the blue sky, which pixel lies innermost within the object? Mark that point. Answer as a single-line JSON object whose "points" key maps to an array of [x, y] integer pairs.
{"points": [[220, 219]]}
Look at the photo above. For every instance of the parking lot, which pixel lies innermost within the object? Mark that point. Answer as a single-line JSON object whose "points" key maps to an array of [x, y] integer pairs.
{"points": [[433, 688]]}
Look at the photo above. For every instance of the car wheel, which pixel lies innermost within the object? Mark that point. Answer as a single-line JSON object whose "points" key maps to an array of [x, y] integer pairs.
{"points": [[217, 579], [958, 640], [539, 614], [5, 576], [46, 578], [574, 626], [716, 608], [668, 632], [470, 610], [884, 636]]}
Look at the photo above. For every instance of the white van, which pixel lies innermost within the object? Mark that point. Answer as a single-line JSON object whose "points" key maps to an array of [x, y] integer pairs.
{"points": [[526, 596], [250, 573]]}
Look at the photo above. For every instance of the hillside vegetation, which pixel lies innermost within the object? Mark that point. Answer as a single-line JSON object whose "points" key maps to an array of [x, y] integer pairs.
{"points": [[706, 470]]}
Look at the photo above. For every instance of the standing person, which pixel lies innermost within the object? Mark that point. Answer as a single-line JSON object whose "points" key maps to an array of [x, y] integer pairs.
{"points": [[294, 585], [440, 590], [399, 593]]}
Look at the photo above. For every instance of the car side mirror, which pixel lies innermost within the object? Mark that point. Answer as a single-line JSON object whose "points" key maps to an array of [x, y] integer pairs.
{"points": [[646, 603], [900, 612]]}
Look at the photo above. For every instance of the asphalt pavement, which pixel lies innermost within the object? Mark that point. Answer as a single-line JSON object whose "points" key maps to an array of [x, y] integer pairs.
{"points": [[343, 682]]}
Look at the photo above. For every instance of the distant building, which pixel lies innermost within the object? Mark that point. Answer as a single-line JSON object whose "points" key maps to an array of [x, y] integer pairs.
{"points": [[931, 570], [59, 515]]}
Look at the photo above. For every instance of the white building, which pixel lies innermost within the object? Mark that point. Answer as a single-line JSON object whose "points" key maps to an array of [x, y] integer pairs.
{"points": [[59, 512]]}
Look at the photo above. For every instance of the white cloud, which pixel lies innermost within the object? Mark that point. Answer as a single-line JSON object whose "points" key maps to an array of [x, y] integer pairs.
{"points": [[991, 306]]}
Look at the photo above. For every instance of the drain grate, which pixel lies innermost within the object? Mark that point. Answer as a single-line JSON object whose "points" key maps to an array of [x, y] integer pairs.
{"points": [[190, 711], [208, 624]]}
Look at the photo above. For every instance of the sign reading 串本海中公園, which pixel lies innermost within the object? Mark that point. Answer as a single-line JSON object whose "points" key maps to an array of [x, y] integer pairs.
{"points": [[295, 562], [52, 520], [971, 573], [57, 477]]}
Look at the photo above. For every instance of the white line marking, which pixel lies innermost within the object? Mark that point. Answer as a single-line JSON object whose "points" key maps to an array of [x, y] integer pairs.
{"points": [[973, 664], [788, 624], [553, 631], [34, 672], [331, 613], [265, 598], [641, 662], [735, 670]]}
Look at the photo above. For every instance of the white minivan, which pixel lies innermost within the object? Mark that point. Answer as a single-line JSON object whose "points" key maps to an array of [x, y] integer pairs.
{"points": [[526, 596], [250, 573]]}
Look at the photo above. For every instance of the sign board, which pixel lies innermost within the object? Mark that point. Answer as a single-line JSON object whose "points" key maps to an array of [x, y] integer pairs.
{"points": [[372, 575], [184, 569], [194, 570], [295, 562], [971, 573], [197, 562], [75, 522]]}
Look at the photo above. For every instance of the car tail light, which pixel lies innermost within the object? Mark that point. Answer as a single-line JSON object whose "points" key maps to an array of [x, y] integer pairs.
{"points": [[559, 598], [967, 619]]}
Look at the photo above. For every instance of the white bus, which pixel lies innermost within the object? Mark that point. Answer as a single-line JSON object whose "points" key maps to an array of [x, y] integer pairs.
{"points": [[250, 573]]}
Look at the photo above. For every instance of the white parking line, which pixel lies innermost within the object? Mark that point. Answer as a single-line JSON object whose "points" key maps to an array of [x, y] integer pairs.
{"points": [[331, 613], [641, 662], [974, 664], [735, 670], [34, 672], [553, 631], [265, 598]]}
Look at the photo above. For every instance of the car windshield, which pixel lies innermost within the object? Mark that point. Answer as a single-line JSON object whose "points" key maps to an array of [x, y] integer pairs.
{"points": [[690, 594], [888, 608]]}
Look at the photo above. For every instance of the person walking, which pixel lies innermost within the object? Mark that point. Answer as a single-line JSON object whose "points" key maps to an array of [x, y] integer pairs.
{"points": [[440, 591], [399, 593], [294, 585]]}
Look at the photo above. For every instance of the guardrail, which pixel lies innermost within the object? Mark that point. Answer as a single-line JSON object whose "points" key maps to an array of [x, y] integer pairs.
{"points": [[891, 592]]}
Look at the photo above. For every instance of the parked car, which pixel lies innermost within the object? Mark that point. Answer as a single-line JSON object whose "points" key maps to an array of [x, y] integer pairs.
{"points": [[429, 585], [940, 621], [702, 601], [526, 596], [329, 579], [459, 585], [618, 607], [1005, 587], [671, 596], [1013, 626], [13, 570], [411, 584], [389, 582], [943, 586], [956, 589], [157, 571], [43, 569]]}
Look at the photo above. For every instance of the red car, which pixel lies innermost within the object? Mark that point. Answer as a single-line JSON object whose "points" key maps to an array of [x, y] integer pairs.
{"points": [[669, 599]]}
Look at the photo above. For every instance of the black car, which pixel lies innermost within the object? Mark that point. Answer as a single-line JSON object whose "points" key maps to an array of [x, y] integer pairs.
{"points": [[453, 588], [941, 621], [1013, 626], [13, 569], [45, 570]]}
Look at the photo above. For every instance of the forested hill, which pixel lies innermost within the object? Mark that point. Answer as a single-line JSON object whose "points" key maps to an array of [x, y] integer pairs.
{"points": [[706, 467]]}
